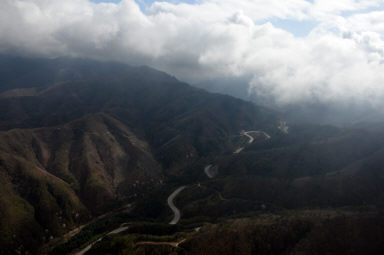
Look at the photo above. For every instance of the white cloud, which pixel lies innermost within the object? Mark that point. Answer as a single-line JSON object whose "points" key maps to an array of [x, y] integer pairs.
{"points": [[341, 59]]}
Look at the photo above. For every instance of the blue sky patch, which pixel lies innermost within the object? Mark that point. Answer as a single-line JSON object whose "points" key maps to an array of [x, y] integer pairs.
{"points": [[296, 27], [106, 1], [144, 4]]}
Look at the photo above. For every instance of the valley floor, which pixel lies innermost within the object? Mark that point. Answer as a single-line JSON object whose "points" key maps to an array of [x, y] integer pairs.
{"points": [[307, 231]]}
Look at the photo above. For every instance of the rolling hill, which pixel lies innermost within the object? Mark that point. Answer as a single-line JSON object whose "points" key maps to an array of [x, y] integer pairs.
{"points": [[79, 138]]}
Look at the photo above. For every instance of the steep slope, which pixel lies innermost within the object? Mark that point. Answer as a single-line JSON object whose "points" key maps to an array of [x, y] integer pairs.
{"points": [[82, 137], [61, 175], [165, 112]]}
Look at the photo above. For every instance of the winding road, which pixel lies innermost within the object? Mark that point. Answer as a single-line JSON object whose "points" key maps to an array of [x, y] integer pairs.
{"points": [[208, 172], [176, 211], [251, 139], [120, 229], [173, 244], [238, 150]]}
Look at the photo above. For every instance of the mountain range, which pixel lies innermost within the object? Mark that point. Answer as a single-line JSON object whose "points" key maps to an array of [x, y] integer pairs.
{"points": [[80, 138]]}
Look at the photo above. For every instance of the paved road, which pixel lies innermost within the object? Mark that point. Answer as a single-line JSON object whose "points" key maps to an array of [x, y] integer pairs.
{"points": [[173, 244], [251, 139], [238, 150], [176, 211], [83, 251], [208, 172], [120, 229]]}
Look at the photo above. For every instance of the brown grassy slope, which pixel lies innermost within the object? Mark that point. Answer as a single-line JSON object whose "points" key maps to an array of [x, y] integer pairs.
{"points": [[34, 204], [332, 232], [294, 232], [52, 176]]}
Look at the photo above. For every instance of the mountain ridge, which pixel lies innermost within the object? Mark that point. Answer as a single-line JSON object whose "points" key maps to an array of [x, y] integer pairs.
{"points": [[79, 142]]}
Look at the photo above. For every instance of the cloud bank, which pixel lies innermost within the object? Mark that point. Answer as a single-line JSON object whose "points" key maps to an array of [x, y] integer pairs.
{"points": [[340, 60]]}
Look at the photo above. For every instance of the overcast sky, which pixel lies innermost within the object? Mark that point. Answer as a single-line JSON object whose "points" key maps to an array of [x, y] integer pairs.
{"points": [[295, 50]]}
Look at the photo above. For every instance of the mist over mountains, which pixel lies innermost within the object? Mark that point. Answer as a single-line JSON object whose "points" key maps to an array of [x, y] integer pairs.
{"points": [[311, 110], [191, 127], [337, 61], [80, 138]]}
